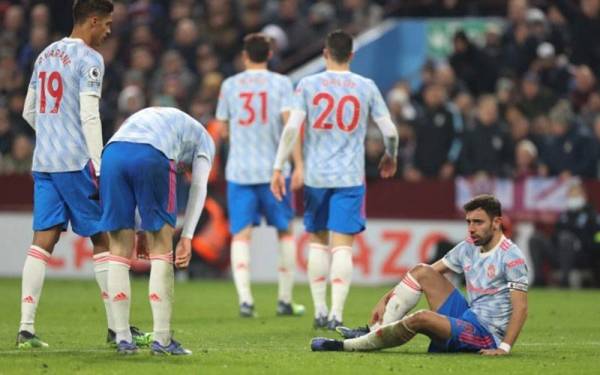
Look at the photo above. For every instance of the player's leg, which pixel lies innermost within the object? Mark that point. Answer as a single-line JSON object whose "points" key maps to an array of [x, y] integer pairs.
{"points": [[118, 220], [279, 214], [435, 326], [119, 286], [341, 276], [316, 211], [422, 278], [346, 219], [49, 219], [154, 188], [242, 204]]}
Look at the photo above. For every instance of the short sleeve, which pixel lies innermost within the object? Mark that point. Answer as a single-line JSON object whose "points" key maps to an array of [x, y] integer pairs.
{"points": [[454, 258], [377, 104], [287, 95], [91, 73], [517, 275], [299, 100], [223, 105]]}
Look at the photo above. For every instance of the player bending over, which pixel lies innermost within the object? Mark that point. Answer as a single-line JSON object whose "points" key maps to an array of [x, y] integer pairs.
{"points": [[496, 279], [139, 164]]}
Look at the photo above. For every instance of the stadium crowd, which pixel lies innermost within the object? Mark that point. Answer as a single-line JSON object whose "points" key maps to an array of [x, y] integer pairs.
{"points": [[526, 101]]}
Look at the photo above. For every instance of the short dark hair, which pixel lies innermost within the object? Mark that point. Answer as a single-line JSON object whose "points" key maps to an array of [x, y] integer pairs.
{"points": [[257, 46], [339, 44], [490, 204], [83, 9]]}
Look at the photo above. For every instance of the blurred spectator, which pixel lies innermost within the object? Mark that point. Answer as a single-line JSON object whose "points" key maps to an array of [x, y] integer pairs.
{"points": [[436, 136], [573, 249], [360, 14], [585, 84], [185, 39], [294, 26], [472, 65], [567, 152], [584, 26], [487, 148], [553, 71], [19, 159], [6, 132], [535, 99], [525, 159]]}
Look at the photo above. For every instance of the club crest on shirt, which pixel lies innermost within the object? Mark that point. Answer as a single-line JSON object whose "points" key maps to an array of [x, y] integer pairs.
{"points": [[491, 271]]}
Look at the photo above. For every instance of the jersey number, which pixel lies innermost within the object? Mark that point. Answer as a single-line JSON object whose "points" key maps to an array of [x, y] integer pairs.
{"points": [[54, 86], [350, 100], [247, 97]]}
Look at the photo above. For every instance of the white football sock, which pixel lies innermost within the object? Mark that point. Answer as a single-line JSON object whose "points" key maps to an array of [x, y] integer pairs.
{"points": [[406, 295], [318, 269], [32, 282], [101, 272], [160, 294], [285, 268], [240, 268], [119, 293], [341, 277], [386, 336]]}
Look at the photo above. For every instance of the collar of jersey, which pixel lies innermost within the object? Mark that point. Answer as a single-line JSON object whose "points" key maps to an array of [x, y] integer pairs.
{"points": [[338, 71], [256, 70], [77, 40], [489, 253]]}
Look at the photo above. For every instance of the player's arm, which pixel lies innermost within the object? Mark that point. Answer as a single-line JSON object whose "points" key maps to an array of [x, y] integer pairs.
{"points": [[92, 127], [381, 116], [29, 107], [197, 196], [298, 174], [518, 299], [441, 267], [286, 146]]}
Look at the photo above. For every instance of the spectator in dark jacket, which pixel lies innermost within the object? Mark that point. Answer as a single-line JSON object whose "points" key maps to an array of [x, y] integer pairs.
{"points": [[584, 24], [437, 131], [487, 148], [472, 65], [567, 152]]}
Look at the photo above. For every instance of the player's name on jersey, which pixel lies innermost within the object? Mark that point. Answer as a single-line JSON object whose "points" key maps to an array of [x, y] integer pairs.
{"points": [[62, 55], [346, 83]]}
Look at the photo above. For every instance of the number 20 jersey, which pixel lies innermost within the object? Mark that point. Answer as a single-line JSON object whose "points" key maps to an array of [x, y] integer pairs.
{"points": [[62, 72], [337, 106], [252, 102]]}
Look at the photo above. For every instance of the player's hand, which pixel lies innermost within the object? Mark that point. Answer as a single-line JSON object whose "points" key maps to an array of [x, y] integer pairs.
{"points": [[297, 179], [447, 171], [492, 352], [278, 185], [387, 166], [183, 253], [379, 310], [141, 245]]}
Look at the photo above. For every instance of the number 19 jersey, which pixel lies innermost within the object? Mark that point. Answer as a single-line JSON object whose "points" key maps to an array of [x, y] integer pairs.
{"points": [[252, 103], [62, 72], [337, 106]]}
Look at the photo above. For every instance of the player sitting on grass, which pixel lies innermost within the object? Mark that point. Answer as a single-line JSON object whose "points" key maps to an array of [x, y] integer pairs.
{"points": [[496, 279]]}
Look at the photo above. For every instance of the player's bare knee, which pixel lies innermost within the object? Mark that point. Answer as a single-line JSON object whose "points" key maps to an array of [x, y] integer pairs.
{"points": [[419, 319], [421, 271], [243, 235]]}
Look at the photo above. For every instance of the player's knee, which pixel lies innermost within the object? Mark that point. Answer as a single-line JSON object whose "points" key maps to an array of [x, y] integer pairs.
{"points": [[100, 242], [419, 319], [421, 271]]}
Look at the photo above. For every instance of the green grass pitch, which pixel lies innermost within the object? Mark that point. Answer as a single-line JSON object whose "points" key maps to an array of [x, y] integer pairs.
{"points": [[562, 336]]}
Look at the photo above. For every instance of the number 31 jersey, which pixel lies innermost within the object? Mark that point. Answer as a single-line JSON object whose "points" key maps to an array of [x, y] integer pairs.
{"points": [[252, 103], [65, 70], [337, 106]]}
